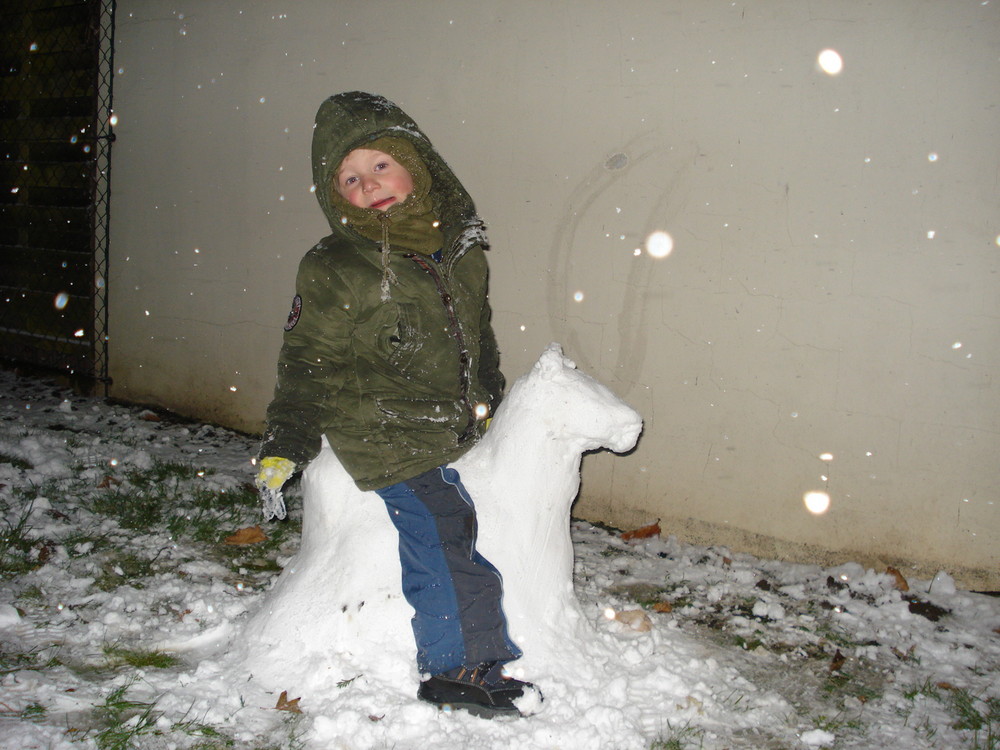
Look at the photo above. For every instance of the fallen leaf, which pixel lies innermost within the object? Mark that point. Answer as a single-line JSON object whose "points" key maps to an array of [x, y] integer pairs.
{"points": [[643, 533], [690, 702], [996, 630], [635, 619], [288, 705], [945, 686], [899, 582], [663, 607], [900, 655], [150, 416], [373, 717], [727, 561], [837, 662], [249, 535], [107, 482]]}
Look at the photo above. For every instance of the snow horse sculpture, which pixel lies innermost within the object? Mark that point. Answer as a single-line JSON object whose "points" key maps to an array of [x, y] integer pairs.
{"points": [[337, 611]]}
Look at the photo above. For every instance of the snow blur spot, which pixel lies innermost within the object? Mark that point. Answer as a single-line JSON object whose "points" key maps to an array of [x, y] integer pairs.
{"points": [[816, 502], [830, 62], [62, 299], [659, 244]]}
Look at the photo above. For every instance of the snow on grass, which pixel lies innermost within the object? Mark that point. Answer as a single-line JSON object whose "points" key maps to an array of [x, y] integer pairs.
{"points": [[117, 589]]}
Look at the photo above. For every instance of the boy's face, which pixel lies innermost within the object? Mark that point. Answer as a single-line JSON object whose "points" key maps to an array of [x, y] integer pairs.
{"points": [[372, 179]]}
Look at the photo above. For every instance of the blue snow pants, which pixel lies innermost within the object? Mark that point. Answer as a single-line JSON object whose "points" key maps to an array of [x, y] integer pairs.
{"points": [[455, 592]]}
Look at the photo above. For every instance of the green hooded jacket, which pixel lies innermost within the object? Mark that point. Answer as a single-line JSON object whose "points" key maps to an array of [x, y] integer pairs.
{"points": [[399, 381]]}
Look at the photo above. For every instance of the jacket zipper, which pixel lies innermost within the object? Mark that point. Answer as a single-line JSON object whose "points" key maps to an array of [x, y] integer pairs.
{"points": [[464, 361]]}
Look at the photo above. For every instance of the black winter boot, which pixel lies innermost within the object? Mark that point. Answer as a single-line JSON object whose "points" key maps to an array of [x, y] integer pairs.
{"points": [[483, 691]]}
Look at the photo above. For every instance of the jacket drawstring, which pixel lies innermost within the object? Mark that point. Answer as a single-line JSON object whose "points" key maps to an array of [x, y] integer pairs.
{"points": [[388, 275]]}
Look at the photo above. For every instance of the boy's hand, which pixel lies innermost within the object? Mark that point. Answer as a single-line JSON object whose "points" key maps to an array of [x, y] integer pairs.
{"points": [[273, 473]]}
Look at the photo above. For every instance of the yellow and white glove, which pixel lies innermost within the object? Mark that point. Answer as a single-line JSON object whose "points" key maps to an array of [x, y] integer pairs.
{"points": [[272, 474]]}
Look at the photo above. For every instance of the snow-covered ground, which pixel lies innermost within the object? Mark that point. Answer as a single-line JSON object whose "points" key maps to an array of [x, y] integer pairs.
{"points": [[118, 593]]}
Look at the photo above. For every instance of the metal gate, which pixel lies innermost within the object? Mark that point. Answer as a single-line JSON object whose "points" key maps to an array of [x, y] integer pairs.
{"points": [[56, 120]]}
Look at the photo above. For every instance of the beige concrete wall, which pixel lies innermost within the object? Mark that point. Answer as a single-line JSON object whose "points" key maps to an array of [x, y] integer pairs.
{"points": [[832, 289]]}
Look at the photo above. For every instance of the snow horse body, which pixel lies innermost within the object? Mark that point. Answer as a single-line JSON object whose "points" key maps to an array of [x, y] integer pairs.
{"points": [[337, 611]]}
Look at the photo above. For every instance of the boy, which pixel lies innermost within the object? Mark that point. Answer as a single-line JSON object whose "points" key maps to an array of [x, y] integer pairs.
{"points": [[389, 352]]}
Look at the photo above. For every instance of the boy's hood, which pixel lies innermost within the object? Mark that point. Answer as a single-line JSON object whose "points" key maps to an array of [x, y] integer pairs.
{"points": [[348, 121]]}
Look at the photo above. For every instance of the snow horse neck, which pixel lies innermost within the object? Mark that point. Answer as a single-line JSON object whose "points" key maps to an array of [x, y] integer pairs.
{"points": [[524, 477]]}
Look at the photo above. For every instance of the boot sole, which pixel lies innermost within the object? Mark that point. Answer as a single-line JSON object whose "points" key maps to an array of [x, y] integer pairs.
{"points": [[478, 710]]}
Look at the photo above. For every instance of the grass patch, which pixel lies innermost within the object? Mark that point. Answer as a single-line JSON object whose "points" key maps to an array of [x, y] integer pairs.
{"points": [[140, 658], [977, 717], [643, 594], [748, 645], [33, 711], [173, 497], [122, 567], [15, 461], [147, 496], [31, 595], [15, 546], [208, 516], [124, 719], [928, 689], [212, 739], [168, 494], [11, 661], [679, 738]]}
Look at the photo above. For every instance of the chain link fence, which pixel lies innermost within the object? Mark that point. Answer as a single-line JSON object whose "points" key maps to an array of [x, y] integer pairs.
{"points": [[56, 120]]}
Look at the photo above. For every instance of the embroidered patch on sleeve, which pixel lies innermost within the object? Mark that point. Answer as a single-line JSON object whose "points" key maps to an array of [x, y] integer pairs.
{"points": [[296, 311]]}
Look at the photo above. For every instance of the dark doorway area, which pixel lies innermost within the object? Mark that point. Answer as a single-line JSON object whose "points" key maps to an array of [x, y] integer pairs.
{"points": [[56, 121]]}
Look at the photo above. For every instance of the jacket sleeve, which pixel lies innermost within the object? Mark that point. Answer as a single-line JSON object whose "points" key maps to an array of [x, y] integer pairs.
{"points": [[489, 358], [312, 366]]}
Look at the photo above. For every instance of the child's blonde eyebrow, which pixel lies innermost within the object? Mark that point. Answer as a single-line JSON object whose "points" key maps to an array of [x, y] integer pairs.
{"points": [[336, 173]]}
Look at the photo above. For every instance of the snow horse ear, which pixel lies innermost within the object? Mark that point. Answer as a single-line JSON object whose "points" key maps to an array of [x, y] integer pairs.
{"points": [[553, 362]]}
